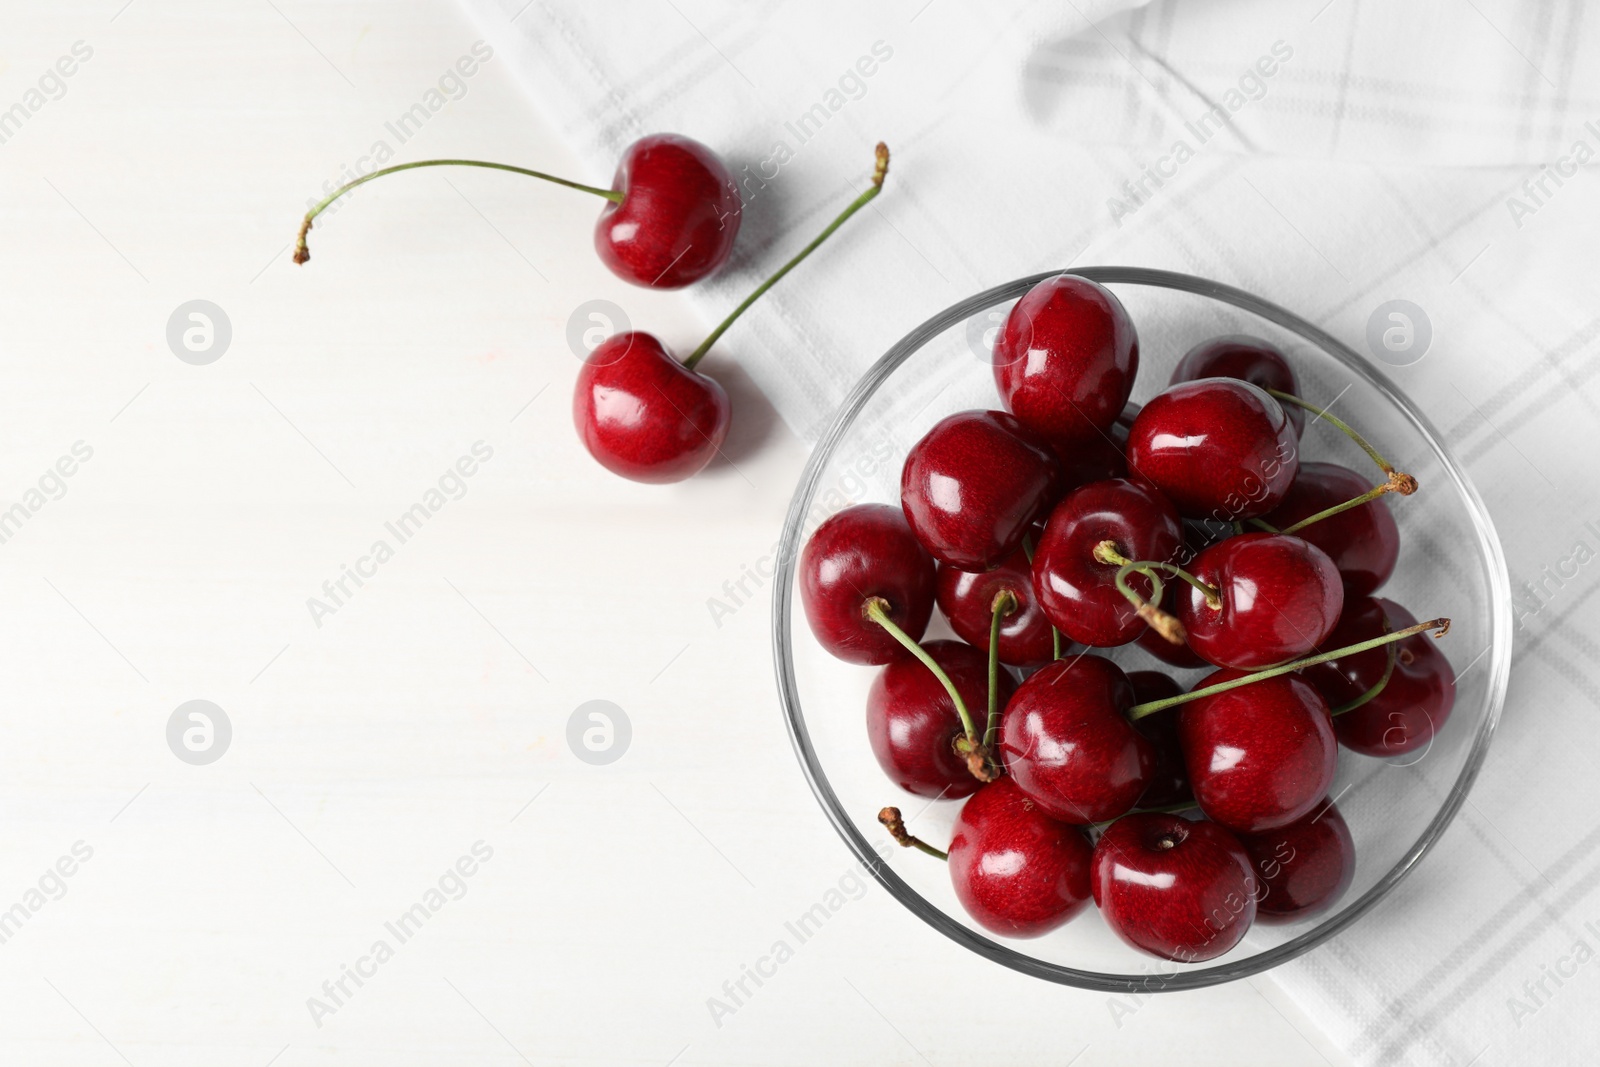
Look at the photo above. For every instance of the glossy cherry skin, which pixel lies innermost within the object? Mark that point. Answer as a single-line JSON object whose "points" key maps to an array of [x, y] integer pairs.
{"points": [[1065, 359], [1066, 740], [862, 552], [967, 600], [1169, 780], [1218, 448], [678, 217], [1174, 888], [912, 723], [1412, 707], [643, 414], [1259, 756], [1247, 358], [1077, 591], [1302, 868], [1281, 596], [974, 484], [1017, 871], [1363, 543]]}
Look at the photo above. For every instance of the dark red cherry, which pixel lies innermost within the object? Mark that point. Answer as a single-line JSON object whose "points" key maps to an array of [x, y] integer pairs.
{"points": [[1017, 871], [1177, 889], [1302, 868], [862, 552], [1096, 459], [1412, 707], [1363, 542], [1217, 448], [1247, 358], [1066, 739], [1280, 597], [1076, 590], [643, 414], [678, 217], [1169, 780], [974, 484], [1259, 756], [1066, 358], [967, 600], [912, 723]]}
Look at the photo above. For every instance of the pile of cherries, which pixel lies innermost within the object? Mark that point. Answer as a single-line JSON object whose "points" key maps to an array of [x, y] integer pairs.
{"points": [[671, 219], [1190, 526]]}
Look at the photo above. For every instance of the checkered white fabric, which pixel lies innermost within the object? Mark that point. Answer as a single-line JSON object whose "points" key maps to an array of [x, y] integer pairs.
{"points": [[1330, 155]]}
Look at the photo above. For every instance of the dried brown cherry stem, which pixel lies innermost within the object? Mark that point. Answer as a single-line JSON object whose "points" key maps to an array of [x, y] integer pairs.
{"points": [[892, 822]]}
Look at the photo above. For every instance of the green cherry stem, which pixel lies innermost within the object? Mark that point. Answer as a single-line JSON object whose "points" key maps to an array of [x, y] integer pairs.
{"points": [[1167, 809], [1400, 483], [1106, 552], [1139, 711], [1378, 686], [1405, 484], [1264, 526], [302, 253], [1005, 603], [879, 172], [892, 822], [969, 746]]}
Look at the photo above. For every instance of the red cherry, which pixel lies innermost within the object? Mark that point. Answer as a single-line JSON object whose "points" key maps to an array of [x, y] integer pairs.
{"points": [[912, 722], [1303, 868], [1280, 597], [1363, 543], [1169, 779], [1066, 358], [974, 484], [1017, 871], [1218, 448], [678, 217], [1077, 591], [1259, 756], [1066, 740], [1247, 358], [1177, 889], [865, 551], [967, 600], [643, 414], [1418, 698], [670, 218]]}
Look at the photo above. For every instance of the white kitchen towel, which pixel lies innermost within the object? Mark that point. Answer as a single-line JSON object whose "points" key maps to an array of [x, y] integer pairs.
{"points": [[1330, 155]]}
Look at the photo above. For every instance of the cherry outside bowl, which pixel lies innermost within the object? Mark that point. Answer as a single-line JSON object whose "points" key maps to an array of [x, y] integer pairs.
{"points": [[1450, 564]]}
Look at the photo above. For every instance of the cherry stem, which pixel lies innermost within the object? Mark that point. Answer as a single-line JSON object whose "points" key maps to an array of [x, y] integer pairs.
{"points": [[1378, 687], [1106, 552], [879, 172], [1005, 603], [1398, 482], [892, 822], [1139, 711], [1322, 413], [1167, 809], [1266, 526], [970, 747], [302, 254]]}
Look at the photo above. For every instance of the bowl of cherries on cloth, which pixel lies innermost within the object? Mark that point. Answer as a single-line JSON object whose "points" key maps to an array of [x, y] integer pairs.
{"points": [[1134, 632]]}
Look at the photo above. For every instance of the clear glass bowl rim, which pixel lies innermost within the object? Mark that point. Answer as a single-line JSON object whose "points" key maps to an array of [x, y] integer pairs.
{"points": [[1499, 654]]}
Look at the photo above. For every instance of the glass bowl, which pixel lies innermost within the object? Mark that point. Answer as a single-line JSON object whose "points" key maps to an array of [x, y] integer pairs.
{"points": [[1450, 564]]}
